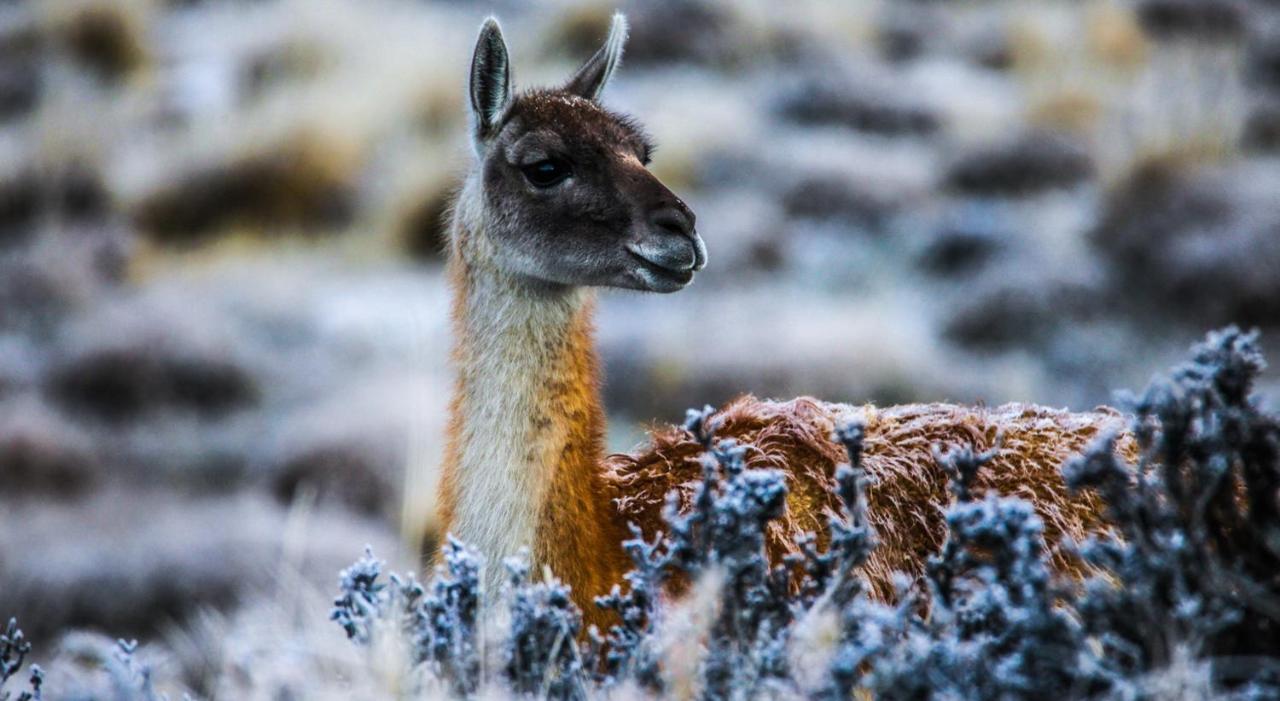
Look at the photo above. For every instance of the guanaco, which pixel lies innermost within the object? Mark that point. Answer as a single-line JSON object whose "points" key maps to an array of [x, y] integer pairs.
{"points": [[560, 202]]}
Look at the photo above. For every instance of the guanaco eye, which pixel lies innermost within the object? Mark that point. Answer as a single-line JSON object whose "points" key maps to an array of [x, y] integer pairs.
{"points": [[547, 172]]}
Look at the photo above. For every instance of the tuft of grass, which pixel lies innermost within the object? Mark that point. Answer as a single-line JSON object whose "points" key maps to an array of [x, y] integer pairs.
{"points": [[107, 39], [304, 184]]}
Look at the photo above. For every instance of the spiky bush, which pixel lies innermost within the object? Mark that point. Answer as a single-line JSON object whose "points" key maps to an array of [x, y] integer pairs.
{"points": [[14, 649], [128, 678], [1196, 569]]}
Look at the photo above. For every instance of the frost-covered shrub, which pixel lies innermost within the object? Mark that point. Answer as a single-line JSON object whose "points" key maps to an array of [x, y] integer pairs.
{"points": [[630, 650], [995, 627], [542, 657], [725, 530], [14, 649], [128, 678], [439, 623], [1196, 567]]}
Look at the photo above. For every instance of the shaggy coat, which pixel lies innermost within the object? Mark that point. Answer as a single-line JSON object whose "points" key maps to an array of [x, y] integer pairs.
{"points": [[908, 492]]}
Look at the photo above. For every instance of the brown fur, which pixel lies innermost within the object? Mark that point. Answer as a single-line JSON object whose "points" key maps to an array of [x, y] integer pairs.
{"points": [[578, 533], [908, 491]]}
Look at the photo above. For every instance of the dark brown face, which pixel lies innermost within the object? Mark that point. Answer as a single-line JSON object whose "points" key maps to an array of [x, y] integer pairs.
{"points": [[567, 195], [571, 201]]}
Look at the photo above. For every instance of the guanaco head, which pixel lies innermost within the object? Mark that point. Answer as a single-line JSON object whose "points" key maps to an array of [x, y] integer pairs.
{"points": [[565, 194]]}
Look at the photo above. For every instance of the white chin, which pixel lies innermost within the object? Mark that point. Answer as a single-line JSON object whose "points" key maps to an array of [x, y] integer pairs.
{"points": [[652, 281]]}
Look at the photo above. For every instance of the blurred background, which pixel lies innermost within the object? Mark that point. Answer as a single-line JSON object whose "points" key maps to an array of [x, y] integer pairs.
{"points": [[223, 323]]}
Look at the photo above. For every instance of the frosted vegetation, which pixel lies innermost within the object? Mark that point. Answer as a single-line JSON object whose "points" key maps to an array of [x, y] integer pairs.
{"points": [[1183, 600]]}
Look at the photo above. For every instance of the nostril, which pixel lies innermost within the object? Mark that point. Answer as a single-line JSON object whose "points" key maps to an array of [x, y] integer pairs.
{"points": [[674, 220]]}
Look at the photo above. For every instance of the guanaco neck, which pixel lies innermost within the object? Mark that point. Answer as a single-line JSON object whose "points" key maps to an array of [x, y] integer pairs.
{"points": [[526, 431]]}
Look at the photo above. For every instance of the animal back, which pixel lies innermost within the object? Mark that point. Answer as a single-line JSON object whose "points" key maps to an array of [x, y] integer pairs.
{"points": [[908, 492]]}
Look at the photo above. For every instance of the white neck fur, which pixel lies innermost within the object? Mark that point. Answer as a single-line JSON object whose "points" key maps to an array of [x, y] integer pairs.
{"points": [[510, 343]]}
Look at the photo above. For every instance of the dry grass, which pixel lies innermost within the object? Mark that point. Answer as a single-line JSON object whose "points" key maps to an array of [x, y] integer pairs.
{"points": [[105, 37], [1132, 95]]}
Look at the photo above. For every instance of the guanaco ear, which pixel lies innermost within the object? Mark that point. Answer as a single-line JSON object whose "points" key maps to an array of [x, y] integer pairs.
{"points": [[490, 78], [590, 80]]}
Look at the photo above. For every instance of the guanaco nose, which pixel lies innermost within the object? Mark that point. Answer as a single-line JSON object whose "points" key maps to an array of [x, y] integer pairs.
{"points": [[676, 218]]}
